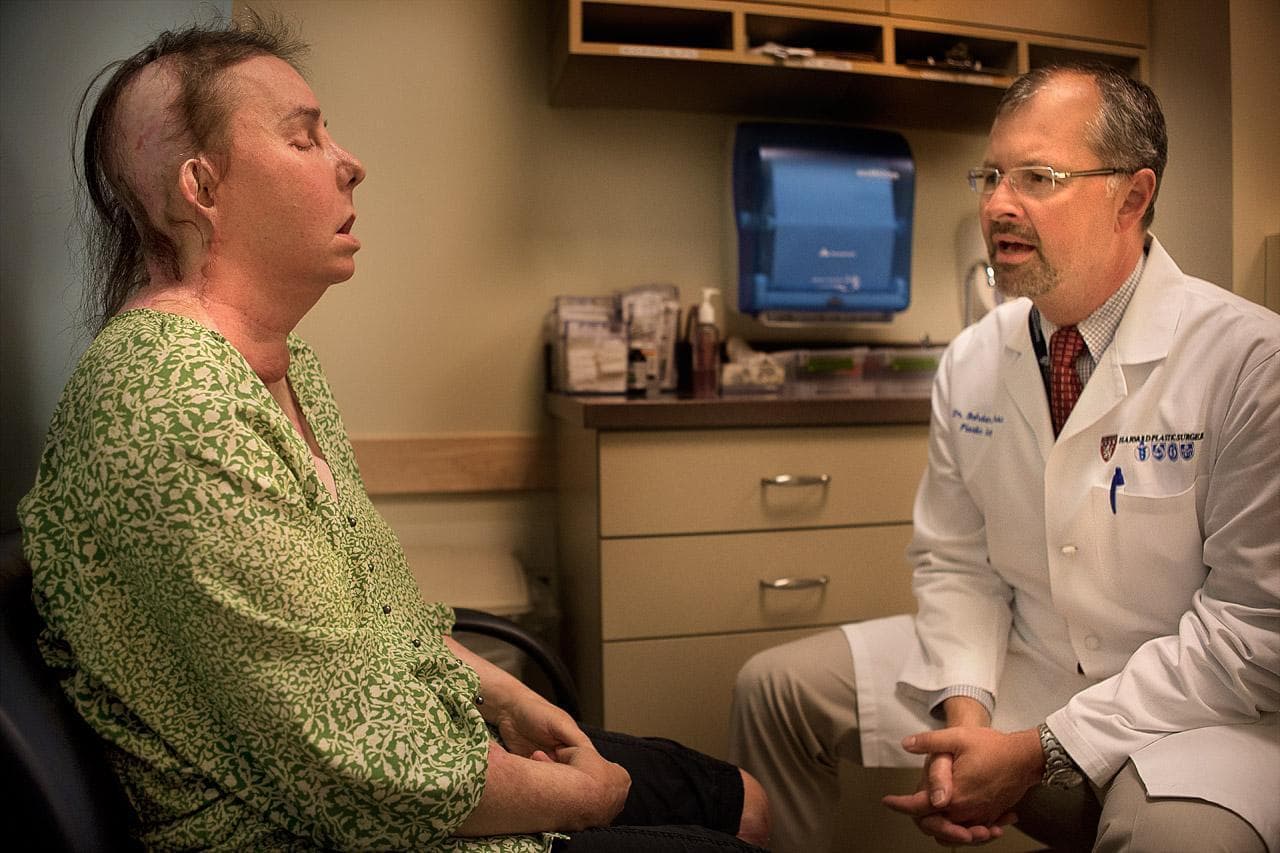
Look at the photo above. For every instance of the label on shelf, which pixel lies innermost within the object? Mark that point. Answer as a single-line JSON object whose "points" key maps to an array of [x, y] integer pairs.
{"points": [[659, 52], [824, 63], [954, 77]]}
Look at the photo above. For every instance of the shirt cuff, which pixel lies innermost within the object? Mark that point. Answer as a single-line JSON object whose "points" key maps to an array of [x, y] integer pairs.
{"points": [[934, 699]]}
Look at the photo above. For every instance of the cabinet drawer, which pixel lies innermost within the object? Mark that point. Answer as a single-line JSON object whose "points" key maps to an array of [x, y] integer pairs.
{"points": [[691, 481], [667, 586], [681, 688]]}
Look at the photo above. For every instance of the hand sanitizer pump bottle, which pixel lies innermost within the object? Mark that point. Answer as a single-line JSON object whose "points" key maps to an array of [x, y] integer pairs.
{"points": [[705, 348]]}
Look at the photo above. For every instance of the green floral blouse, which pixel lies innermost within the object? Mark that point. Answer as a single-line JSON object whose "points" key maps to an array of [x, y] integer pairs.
{"points": [[256, 654]]}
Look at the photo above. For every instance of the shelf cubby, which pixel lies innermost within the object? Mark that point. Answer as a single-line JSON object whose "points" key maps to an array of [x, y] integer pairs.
{"points": [[1040, 55], [955, 53], [656, 26], [831, 39]]}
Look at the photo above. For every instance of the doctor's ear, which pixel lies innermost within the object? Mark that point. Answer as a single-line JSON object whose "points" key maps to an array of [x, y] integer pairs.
{"points": [[1136, 198], [197, 181]]}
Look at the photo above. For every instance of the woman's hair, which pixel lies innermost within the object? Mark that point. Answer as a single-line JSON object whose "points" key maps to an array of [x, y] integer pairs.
{"points": [[120, 235], [1128, 131]]}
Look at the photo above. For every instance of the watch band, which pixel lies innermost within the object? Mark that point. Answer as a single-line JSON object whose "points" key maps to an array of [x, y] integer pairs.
{"points": [[1059, 770]]}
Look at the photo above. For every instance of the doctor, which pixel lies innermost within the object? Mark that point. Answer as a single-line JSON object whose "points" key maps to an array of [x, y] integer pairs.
{"points": [[1097, 536]]}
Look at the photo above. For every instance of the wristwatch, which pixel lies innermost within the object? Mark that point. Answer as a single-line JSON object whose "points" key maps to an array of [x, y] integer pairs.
{"points": [[1059, 770]]}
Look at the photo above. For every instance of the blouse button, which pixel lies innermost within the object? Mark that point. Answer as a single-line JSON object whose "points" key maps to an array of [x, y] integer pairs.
{"points": [[417, 644], [371, 567], [386, 608], [351, 520]]}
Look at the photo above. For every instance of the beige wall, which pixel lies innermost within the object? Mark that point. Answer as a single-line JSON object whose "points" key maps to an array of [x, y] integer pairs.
{"points": [[1213, 65], [1255, 142], [1193, 210], [483, 202]]}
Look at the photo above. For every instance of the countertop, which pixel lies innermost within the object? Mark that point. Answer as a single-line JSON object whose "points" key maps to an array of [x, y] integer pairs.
{"points": [[667, 411]]}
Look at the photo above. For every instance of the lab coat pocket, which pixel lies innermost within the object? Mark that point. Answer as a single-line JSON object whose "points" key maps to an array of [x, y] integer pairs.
{"points": [[1149, 552]]}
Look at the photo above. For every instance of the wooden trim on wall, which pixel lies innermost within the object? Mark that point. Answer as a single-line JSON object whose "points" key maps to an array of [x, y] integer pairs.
{"points": [[455, 463]]}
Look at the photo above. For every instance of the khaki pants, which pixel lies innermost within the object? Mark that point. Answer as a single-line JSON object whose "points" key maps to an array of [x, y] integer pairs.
{"points": [[795, 716]]}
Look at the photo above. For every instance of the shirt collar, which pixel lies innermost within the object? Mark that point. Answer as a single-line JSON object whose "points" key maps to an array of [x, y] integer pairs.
{"points": [[1099, 328]]}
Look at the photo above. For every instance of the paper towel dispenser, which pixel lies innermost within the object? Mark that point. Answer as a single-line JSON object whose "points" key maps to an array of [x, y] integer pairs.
{"points": [[824, 217]]}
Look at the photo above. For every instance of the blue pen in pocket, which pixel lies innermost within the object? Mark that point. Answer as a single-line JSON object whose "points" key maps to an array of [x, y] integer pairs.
{"points": [[1117, 480]]}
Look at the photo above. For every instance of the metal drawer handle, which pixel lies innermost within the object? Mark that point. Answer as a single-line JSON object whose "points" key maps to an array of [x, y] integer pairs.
{"points": [[796, 480], [795, 583]]}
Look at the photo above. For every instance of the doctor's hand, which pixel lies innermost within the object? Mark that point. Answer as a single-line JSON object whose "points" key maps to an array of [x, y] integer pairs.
{"points": [[927, 807], [990, 771]]}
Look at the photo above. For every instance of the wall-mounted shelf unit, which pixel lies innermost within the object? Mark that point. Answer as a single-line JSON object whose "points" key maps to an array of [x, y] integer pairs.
{"points": [[940, 63]]}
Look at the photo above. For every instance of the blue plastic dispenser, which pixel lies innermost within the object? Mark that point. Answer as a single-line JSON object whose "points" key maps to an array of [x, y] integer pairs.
{"points": [[824, 222]]}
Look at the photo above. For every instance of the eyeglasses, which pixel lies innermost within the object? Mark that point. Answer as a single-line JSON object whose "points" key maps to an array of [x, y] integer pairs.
{"points": [[1028, 181]]}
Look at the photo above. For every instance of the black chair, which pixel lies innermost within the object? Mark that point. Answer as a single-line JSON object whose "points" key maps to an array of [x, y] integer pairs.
{"points": [[59, 791], [550, 666]]}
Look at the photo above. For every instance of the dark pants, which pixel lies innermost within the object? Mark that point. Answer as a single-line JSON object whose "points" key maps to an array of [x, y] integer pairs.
{"points": [[680, 801]]}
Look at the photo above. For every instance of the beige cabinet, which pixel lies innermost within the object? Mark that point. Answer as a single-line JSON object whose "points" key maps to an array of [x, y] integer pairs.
{"points": [[685, 551], [1123, 21], [693, 534]]}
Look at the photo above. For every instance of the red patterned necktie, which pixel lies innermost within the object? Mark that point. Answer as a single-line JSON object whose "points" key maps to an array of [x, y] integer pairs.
{"points": [[1064, 383]]}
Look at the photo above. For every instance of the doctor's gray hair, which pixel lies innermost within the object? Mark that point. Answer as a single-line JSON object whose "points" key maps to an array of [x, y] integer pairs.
{"points": [[1128, 132], [119, 233]]}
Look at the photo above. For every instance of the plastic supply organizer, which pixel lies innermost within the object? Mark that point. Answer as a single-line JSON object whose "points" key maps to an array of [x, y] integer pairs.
{"points": [[611, 344], [905, 372], [861, 371]]}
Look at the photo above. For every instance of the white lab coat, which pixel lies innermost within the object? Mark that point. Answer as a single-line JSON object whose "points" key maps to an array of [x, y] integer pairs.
{"points": [[1149, 631]]}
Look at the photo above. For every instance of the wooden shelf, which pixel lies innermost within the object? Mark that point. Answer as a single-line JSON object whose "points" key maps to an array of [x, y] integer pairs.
{"points": [[723, 56]]}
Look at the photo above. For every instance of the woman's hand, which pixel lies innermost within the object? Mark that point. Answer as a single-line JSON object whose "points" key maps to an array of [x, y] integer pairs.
{"points": [[610, 783], [527, 722], [549, 776], [570, 789], [531, 724]]}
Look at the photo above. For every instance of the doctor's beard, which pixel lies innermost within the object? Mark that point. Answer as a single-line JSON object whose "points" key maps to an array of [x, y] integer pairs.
{"points": [[1031, 278]]}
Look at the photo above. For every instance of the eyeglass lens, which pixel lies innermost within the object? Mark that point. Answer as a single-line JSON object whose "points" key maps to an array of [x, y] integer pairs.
{"points": [[1024, 180]]}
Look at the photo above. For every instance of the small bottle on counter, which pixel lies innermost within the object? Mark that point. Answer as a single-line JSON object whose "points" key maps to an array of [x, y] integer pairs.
{"points": [[705, 346], [636, 365]]}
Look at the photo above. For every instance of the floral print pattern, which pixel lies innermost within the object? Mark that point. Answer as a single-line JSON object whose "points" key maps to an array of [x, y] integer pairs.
{"points": [[255, 653]]}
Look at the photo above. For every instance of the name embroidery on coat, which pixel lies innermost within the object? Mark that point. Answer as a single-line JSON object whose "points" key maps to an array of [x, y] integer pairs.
{"points": [[1153, 447]]}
